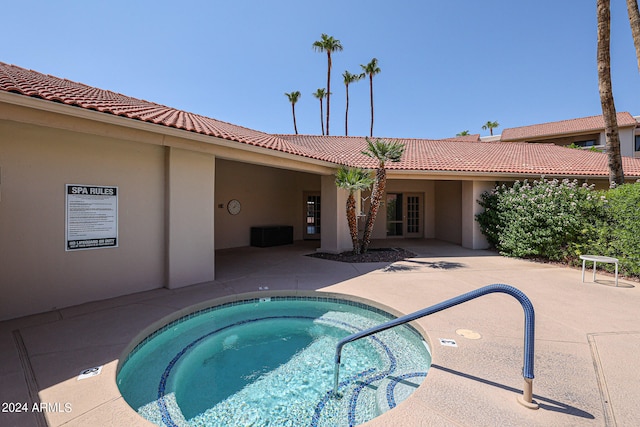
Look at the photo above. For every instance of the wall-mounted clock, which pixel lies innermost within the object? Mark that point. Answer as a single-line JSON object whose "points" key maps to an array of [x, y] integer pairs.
{"points": [[234, 207]]}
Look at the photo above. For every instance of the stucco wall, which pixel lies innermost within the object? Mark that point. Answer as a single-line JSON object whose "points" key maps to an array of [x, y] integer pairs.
{"points": [[268, 196], [335, 236], [627, 142], [189, 205], [472, 191], [36, 273], [448, 205]]}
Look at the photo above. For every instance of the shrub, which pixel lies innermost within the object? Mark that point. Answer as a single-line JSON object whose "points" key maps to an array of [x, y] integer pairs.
{"points": [[549, 219], [561, 220], [620, 231]]}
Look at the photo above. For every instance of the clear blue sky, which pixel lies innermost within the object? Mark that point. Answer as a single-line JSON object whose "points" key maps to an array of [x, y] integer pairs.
{"points": [[447, 66]]}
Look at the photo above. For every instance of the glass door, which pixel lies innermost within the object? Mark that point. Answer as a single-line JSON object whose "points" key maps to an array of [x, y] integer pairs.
{"points": [[394, 214], [414, 218], [404, 215], [311, 224]]}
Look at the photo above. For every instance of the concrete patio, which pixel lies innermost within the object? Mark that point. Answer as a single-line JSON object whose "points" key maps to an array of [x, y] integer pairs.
{"points": [[587, 338]]}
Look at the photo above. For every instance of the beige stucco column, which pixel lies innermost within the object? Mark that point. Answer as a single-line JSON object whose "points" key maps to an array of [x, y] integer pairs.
{"points": [[190, 179], [334, 233], [472, 237]]}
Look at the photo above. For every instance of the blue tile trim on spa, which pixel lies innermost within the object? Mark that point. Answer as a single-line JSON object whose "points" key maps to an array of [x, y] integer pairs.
{"points": [[162, 405], [168, 420], [393, 364], [329, 395], [394, 382], [254, 301]]}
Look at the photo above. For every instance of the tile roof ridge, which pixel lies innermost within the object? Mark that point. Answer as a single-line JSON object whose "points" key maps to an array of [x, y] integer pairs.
{"points": [[408, 140], [115, 97], [201, 116], [440, 155], [580, 125], [85, 85], [329, 136], [445, 140], [585, 118], [314, 135], [469, 137]]}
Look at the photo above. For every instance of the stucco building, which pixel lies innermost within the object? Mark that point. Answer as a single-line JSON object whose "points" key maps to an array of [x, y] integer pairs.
{"points": [[167, 188], [583, 132]]}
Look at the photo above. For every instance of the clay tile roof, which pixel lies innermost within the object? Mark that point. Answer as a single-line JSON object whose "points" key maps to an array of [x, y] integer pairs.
{"points": [[455, 155], [31, 83], [473, 138], [564, 127], [468, 157]]}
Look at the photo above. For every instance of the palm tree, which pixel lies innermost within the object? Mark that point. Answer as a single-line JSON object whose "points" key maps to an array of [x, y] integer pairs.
{"points": [[352, 180], [490, 125], [320, 94], [371, 69], [293, 98], [463, 133], [383, 151], [634, 21], [616, 175], [328, 44], [348, 79]]}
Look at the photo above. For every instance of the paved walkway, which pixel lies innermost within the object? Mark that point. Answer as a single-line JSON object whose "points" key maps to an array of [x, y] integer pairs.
{"points": [[587, 339]]}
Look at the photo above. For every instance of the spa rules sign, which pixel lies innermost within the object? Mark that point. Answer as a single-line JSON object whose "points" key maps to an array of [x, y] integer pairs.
{"points": [[91, 220]]}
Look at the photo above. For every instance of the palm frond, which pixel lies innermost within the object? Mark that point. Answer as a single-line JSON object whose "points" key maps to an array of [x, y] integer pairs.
{"points": [[293, 96], [327, 44], [383, 150], [320, 93], [353, 179], [371, 68], [351, 78]]}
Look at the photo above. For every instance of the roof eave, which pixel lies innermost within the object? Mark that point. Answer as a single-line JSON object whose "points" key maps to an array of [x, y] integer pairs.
{"points": [[489, 175], [321, 166], [537, 138]]}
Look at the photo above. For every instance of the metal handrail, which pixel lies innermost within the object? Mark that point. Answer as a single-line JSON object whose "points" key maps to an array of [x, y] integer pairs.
{"points": [[529, 332]]}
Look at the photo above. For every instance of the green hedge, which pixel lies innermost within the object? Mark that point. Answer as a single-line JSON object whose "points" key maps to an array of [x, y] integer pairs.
{"points": [[620, 231], [560, 220]]}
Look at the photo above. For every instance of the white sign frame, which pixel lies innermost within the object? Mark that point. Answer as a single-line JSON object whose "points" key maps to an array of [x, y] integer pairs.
{"points": [[91, 217]]}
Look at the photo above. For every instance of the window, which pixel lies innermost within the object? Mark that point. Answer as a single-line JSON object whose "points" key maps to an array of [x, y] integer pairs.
{"points": [[394, 214], [413, 214], [587, 143], [313, 214], [637, 142]]}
